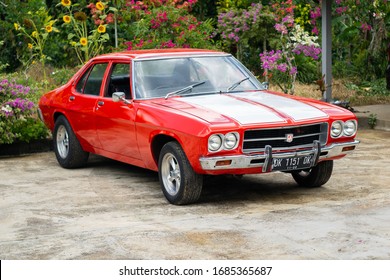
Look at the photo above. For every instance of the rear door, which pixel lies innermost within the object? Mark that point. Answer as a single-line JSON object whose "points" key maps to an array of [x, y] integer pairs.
{"points": [[82, 103]]}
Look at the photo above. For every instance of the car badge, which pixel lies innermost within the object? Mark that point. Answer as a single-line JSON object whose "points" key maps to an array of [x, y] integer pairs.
{"points": [[289, 137]]}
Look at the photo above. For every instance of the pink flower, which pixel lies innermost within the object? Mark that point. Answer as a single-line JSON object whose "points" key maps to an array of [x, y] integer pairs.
{"points": [[110, 18], [281, 28], [129, 45], [366, 27]]}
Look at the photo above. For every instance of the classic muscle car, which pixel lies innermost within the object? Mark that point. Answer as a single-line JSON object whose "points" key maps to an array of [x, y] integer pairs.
{"points": [[186, 113]]}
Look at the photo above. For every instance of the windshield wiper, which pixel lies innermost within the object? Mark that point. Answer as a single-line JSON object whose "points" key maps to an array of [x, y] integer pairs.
{"points": [[185, 89], [233, 86]]}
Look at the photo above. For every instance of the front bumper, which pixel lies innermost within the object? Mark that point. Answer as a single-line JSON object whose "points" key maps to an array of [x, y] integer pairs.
{"points": [[265, 160]]}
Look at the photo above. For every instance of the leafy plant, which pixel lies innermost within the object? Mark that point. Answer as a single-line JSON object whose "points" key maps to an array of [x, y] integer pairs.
{"points": [[18, 121], [87, 43], [36, 28], [372, 120], [281, 64], [165, 24]]}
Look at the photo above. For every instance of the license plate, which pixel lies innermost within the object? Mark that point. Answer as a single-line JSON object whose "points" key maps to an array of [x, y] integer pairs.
{"points": [[291, 163]]}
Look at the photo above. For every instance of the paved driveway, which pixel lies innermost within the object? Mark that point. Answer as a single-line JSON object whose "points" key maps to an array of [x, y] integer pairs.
{"points": [[111, 210]]}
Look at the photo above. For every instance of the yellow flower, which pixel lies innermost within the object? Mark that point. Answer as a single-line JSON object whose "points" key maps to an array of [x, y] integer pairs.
{"points": [[66, 3], [34, 34], [49, 28], [66, 19], [80, 16], [101, 28], [83, 41], [100, 6], [16, 26], [30, 46]]}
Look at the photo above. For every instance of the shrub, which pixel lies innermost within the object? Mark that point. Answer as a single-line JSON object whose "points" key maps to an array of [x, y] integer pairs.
{"points": [[164, 24], [18, 121]]}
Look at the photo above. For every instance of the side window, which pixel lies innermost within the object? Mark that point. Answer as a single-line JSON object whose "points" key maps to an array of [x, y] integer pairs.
{"points": [[92, 80], [81, 82], [119, 80]]}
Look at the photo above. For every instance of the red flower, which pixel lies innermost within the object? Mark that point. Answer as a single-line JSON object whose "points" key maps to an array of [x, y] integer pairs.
{"points": [[110, 18]]}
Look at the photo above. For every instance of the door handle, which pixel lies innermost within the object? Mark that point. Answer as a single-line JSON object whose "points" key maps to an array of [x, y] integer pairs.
{"points": [[72, 98], [100, 103]]}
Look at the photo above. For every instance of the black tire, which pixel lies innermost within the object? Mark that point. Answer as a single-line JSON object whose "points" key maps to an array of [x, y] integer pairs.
{"points": [[66, 146], [179, 183], [316, 176]]}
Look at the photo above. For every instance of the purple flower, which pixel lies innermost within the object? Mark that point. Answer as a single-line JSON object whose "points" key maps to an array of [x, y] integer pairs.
{"points": [[282, 67], [310, 51], [293, 70]]}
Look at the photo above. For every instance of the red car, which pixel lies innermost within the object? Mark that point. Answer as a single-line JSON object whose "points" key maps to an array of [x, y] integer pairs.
{"points": [[186, 113]]}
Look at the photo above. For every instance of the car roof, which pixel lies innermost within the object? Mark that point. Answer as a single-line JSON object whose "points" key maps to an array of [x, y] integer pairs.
{"points": [[151, 53]]}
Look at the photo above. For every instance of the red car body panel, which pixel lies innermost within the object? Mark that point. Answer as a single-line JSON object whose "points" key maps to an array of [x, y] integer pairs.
{"points": [[127, 132]]}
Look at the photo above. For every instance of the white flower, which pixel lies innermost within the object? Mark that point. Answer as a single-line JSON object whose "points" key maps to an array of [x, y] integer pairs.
{"points": [[299, 36], [6, 109]]}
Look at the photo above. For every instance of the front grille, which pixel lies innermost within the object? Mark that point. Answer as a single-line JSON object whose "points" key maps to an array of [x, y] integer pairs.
{"points": [[303, 137]]}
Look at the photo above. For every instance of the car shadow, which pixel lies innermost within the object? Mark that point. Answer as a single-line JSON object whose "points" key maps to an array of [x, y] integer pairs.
{"points": [[272, 188], [256, 188]]}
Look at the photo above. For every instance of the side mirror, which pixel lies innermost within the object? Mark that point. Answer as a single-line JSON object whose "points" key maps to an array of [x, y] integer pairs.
{"points": [[265, 85], [120, 96]]}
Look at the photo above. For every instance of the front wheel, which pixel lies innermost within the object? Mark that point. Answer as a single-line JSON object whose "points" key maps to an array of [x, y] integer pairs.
{"points": [[67, 148], [179, 182], [315, 176]]}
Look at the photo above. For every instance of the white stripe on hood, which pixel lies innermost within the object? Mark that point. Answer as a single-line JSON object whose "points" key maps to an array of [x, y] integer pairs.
{"points": [[247, 112]]}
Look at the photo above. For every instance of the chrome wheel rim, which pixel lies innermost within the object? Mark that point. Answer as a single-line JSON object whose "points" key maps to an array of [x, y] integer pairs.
{"points": [[62, 139], [170, 174]]}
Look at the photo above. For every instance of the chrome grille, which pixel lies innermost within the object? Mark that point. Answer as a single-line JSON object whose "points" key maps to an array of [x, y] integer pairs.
{"points": [[302, 137]]}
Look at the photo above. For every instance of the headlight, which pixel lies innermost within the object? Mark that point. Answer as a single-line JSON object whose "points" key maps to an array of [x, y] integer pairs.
{"points": [[215, 142], [350, 128], [230, 141], [337, 129]]}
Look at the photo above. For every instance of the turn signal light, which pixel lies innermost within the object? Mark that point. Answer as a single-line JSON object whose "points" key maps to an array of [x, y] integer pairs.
{"points": [[350, 148], [223, 163]]}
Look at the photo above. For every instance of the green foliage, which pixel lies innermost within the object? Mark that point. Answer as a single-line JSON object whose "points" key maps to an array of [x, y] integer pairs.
{"points": [[309, 70], [86, 41], [36, 29], [14, 49], [372, 120], [164, 26], [29, 129], [247, 32], [227, 5]]}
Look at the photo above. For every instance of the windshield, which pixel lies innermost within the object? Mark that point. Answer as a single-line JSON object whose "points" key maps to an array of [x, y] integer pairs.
{"points": [[191, 75]]}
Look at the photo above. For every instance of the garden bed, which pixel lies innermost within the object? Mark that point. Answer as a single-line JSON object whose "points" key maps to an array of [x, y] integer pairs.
{"points": [[21, 148]]}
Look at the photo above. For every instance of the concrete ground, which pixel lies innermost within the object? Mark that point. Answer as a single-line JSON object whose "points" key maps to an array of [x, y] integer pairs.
{"points": [[111, 210]]}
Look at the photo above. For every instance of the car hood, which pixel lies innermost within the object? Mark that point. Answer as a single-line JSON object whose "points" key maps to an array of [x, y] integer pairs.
{"points": [[248, 108]]}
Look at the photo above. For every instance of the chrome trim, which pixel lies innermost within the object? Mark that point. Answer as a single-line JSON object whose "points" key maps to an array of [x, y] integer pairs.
{"points": [[244, 161], [322, 136]]}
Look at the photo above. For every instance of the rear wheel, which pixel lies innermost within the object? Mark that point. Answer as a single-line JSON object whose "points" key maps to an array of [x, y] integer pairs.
{"points": [[67, 148], [316, 176], [179, 182]]}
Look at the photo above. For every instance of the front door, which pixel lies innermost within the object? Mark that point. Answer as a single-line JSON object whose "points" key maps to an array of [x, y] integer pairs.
{"points": [[115, 121]]}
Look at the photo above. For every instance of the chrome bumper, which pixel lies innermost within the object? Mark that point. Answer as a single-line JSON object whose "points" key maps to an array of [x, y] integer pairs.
{"points": [[265, 160]]}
